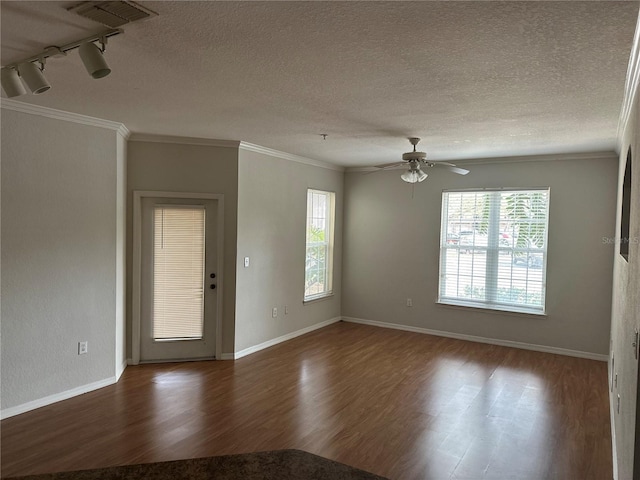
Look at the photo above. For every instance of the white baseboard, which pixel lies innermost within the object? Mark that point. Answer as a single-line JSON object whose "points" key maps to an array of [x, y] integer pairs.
{"points": [[176, 360], [120, 369], [43, 402], [283, 338], [473, 338]]}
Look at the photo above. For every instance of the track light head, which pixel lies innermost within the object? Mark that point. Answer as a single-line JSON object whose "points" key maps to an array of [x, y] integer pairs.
{"points": [[33, 77], [11, 83], [93, 60]]}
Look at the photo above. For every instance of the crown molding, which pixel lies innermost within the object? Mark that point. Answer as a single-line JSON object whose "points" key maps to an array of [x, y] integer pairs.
{"points": [[606, 155], [250, 147], [124, 131], [209, 142], [547, 157], [631, 85], [41, 111]]}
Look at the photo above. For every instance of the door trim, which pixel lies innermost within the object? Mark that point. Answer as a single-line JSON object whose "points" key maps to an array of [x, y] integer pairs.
{"points": [[136, 276]]}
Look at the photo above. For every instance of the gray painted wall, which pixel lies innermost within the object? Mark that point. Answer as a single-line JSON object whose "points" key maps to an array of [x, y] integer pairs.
{"points": [[625, 312], [391, 251], [59, 256], [272, 197], [174, 167]]}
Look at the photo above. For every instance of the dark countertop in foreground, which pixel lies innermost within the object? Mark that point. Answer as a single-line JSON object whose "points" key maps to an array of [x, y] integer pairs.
{"points": [[273, 465]]}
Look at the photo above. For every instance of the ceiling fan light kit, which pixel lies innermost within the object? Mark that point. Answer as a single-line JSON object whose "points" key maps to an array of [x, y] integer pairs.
{"points": [[414, 160], [414, 174]]}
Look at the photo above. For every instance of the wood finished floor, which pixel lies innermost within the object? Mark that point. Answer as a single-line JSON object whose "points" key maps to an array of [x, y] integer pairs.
{"points": [[398, 404]]}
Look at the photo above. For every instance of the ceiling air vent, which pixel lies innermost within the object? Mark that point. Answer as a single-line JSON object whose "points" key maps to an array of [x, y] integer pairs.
{"points": [[112, 14]]}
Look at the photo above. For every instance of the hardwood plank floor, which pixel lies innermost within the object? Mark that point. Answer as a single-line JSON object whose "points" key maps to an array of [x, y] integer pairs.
{"points": [[399, 404]]}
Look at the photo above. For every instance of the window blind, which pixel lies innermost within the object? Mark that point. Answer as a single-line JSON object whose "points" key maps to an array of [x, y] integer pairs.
{"points": [[493, 249], [178, 272]]}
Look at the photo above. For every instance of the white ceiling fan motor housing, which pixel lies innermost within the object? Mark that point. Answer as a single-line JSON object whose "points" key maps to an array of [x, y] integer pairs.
{"points": [[414, 156]]}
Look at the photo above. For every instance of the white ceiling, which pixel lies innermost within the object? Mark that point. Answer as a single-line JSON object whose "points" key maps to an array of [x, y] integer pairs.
{"points": [[472, 79]]}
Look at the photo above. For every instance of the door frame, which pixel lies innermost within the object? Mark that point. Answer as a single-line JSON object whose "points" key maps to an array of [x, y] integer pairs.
{"points": [[136, 277]]}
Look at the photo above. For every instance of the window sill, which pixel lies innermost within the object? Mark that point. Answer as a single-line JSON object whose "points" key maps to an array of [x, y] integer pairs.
{"points": [[499, 311], [318, 299]]}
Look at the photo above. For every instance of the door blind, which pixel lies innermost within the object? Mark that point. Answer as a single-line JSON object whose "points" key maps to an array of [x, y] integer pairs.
{"points": [[178, 272]]}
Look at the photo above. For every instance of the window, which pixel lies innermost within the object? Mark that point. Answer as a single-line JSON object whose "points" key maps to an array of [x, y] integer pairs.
{"points": [[318, 281], [493, 249]]}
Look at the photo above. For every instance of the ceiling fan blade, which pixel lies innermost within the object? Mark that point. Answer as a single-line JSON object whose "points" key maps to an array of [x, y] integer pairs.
{"points": [[454, 169], [385, 166], [390, 165]]}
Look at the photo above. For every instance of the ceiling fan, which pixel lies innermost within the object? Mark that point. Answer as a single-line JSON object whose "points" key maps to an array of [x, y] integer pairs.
{"points": [[415, 160]]}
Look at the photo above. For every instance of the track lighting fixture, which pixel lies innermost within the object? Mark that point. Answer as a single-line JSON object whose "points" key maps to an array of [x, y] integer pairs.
{"points": [[93, 60], [33, 77], [27, 69], [11, 83]]}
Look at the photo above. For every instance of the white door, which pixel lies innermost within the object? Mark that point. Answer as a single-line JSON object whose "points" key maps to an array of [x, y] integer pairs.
{"points": [[178, 301]]}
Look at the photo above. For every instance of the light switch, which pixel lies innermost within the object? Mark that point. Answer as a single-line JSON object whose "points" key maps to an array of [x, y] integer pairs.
{"points": [[246, 262]]}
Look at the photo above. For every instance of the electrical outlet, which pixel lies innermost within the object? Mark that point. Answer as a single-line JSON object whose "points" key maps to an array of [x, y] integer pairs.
{"points": [[409, 302], [83, 347], [274, 312]]}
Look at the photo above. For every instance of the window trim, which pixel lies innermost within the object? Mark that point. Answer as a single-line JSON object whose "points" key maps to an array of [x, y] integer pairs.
{"points": [[492, 311], [330, 244], [487, 305]]}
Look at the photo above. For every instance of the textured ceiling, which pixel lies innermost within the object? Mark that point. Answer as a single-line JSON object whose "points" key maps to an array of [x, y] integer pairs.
{"points": [[472, 79]]}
